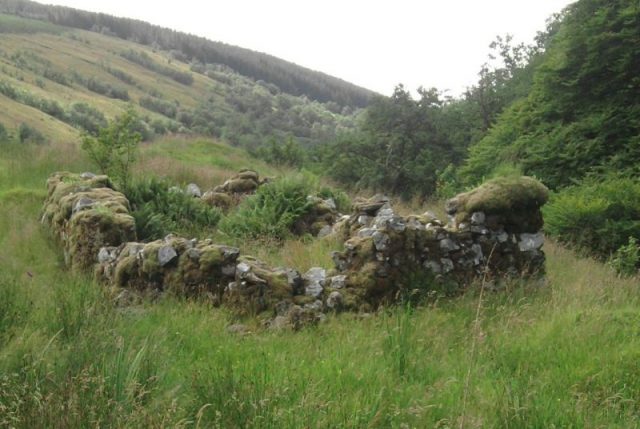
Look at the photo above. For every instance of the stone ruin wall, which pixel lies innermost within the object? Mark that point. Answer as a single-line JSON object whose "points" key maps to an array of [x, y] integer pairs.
{"points": [[493, 232]]}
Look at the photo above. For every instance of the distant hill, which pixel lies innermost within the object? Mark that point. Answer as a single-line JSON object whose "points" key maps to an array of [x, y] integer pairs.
{"points": [[56, 81], [288, 77]]}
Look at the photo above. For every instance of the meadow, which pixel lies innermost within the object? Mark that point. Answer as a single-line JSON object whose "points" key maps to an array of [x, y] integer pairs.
{"points": [[563, 353]]}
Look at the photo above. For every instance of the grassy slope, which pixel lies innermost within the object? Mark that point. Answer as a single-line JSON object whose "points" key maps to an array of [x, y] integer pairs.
{"points": [[562, 355], [88, 54]]}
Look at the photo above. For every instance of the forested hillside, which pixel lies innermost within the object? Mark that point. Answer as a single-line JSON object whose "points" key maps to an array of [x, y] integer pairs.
{"points": [[198, 51], [56, 82], [565, 109]]}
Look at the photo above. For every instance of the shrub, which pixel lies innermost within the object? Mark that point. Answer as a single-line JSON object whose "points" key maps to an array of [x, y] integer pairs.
{"points": [[28, 134], [596, 216], [157, 105], [273, 210], [107, 89], [4, 135], [123, 76], [159, 211], [90, 119], [626, 260], [114, 149]]}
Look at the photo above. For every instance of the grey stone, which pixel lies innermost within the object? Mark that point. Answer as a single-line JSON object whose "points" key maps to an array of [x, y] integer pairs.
{"points": [[478, 218], [476, 251], [364, 220], [294, 279], [397, 224], [502, 237], [242, 268], [282, 307], [193, 190], [531, 241], [166, 254], [447, 265], [315, 305], [82, 204], [383, 217], [339, 261], [133, 249], [87, 175], [314, 281], [334, 301], [330, 202], [380, 240], [433, 266], [479, 229], [105, 255], [230, 253], [229, 270], [193, 254], [325, 230], [414, 224], [448, 245], [366, 232], [339, 281], [430, 216], [451, 206]]}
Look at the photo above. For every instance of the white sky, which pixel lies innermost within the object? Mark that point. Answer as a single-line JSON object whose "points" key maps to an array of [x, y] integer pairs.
{"points": [[375, 44]]}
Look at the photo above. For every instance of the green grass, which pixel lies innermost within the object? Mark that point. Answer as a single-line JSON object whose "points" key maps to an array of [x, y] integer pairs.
{"points": [[14, 24], [564, 354]]}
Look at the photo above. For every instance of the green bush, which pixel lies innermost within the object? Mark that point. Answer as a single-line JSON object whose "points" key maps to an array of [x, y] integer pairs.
{"points": [[115, 147], [273, 210], [596, 216], [626, 260], [159, 211], [90, 119], [157, 105], [28, 134]]}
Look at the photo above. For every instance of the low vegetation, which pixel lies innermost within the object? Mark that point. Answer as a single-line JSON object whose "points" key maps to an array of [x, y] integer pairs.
{"points": [[540, 355]]}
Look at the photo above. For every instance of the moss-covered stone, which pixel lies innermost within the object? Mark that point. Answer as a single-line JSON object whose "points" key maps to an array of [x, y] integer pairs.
{"points": [[500, 196]]}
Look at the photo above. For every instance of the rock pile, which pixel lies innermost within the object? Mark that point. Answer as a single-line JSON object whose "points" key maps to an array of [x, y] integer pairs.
{"points": [[493, 231], [85, 213], [319, 218], [230, 193]]}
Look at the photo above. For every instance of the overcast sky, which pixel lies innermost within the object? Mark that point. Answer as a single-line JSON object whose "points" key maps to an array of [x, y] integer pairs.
{"points": [[375, 44]]}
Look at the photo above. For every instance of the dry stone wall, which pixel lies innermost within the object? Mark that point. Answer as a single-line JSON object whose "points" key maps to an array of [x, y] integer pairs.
{"points": [[492, 232], [85, 213]]}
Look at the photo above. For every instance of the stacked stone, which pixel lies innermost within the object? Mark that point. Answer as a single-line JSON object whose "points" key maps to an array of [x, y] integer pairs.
{"points": [[229, 194], [385, 253], [493, 231], [176, 264], [505, 219], [85, 213], [319, 219]]}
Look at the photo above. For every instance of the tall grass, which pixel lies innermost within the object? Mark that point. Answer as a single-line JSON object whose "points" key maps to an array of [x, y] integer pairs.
{"points": [[559, 354]]}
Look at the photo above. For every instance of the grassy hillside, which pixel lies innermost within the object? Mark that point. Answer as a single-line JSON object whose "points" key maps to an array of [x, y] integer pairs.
{"points": [[55, 79], [290, 78], [559, 354]]}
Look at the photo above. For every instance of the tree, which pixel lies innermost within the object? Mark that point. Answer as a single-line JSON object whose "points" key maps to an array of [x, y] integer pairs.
{"points": [[114, 149]]}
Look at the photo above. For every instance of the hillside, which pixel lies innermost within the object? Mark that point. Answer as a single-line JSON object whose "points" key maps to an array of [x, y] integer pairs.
{"points": [[288, 77], [60, 81]]}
